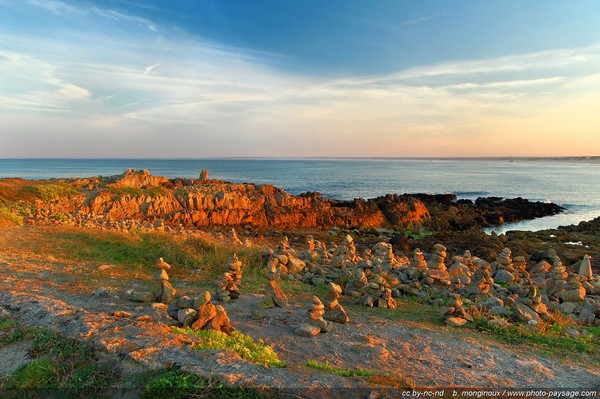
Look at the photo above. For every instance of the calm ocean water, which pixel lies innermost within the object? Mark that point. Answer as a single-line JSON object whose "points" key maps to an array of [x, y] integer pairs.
{"points": [[573, 183]]}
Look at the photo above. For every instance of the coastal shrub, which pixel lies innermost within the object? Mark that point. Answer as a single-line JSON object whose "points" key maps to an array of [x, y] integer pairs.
{"points": [[123, 191], [244, 345], [49, 192], [176, 384], [7, 215], [341, 371]]}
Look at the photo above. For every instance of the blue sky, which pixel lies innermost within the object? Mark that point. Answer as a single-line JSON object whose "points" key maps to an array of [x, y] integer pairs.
{"points": [[121, 78]]}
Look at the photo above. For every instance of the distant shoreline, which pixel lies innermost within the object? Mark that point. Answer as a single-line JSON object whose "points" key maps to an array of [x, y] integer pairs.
{"points": [[478, 158]]}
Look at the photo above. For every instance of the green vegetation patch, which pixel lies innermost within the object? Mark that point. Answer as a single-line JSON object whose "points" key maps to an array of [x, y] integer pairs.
{"points": [[48, 192], [7, 215], [550, 338], [176, 384], [418, 234], [11, 331], [61, 366], [145, 248], [244, 345], [341, 371]]}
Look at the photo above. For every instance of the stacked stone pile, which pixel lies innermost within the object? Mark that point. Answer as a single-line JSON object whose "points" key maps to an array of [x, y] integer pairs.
{"points": [[165, 292], [528, 306], [316, 324], [345, 254], [354, 287], [481, 283], [377, 293], [556, 278], [334, 311], [383, 258], [287, 259], [272, 287], [454, 312], [520, 267], [201, 314], [437, 272], [505, 272], [459, 271], [229, 289]]}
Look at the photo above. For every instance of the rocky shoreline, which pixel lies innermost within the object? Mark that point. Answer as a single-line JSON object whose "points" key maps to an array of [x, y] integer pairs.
{"points": [[137, 199]]}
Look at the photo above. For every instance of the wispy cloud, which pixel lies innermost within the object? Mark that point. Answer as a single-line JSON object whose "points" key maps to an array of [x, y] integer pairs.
{"points": [[422, 19], [150, 68]]}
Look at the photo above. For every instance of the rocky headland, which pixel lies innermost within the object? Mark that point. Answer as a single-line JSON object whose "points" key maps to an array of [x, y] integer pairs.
{"points": [[139, 199]]}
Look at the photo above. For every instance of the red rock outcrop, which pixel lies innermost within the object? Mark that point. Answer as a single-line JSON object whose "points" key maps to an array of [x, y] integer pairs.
{"points": [[199, 203]]}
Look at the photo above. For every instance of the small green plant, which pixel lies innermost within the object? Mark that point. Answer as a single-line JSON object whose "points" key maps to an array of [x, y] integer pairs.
{"points": [[40, 373], [418, 234], [244, 345], [11, 330], [176, 384], [341, 371]]}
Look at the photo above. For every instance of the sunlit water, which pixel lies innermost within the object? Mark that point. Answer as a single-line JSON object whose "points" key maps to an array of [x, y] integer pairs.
{"points": [[572, 183]]}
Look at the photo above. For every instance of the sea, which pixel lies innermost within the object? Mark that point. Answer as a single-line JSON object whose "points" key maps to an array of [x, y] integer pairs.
{"points": [[573, 183]]}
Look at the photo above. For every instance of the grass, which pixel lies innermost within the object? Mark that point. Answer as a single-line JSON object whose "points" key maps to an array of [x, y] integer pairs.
{"points": [[176, 384], [409, 309], [62, 365], [549, 338], [11, 331], [243, 345], [418, 234], [341, 371], [135, 249]]}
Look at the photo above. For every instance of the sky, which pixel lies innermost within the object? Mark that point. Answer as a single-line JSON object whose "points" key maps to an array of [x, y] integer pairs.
{"points": [[310, 78]]}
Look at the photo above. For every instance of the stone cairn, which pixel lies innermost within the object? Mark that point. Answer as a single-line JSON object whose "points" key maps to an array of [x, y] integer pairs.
{"points": [[504, 268], [203, 175], [316, 324], [556, 281], [287, 261], [202, 314], [229, 289], [166, 292], [573, 295], [345, 254], [454, 312], [377, 293], [528, 307], [272, 287], [354, 287], [437, 272], [383, 258], [459, 271], [520, 267], [481, 283], [334, 311], [234, 238], [590, 282]]}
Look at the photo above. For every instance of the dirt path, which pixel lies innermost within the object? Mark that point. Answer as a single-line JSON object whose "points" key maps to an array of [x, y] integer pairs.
{"points": [[44, 291]]}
